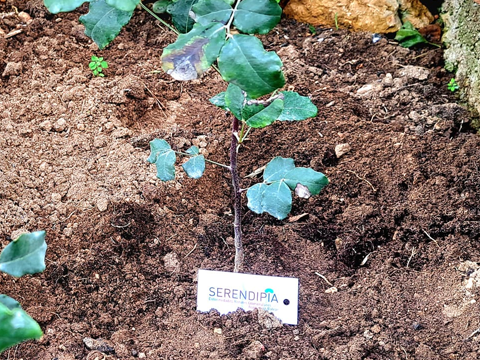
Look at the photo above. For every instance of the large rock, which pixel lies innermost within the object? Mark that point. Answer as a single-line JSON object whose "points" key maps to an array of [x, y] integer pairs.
{"points": [[379, 16], [463, 48]]}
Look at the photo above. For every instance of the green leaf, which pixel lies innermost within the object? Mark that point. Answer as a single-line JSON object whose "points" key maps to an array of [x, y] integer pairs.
{"points": [[234, 99], [277, 168], [195, 166], [249, 110], [180, 11], [255, 196], [208, 11], [104, 64], [193, 53], [219, 100], [408, 36], [9, 302], [92, 65], [313, 180], [16, 326], [164, 158], [25, 255], [193, 150], [244, 62], [161, 6], [56, 6], [266, 116], [104, 22], [123, 5], [277, 200], [257, 16], [296, 107]]}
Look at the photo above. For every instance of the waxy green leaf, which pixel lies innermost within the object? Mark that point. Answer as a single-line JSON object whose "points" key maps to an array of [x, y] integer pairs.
{"points": [[277, 168], [208, 11], [195, 166], [123, 5], [219, 100], [25, 255], [280, 178], [9, 302], [193, 53], [16, 325], [161, 6], [164, 158], [257, 16], [244, 62], [234, 99], [313, 180], [56, 6], [255, 196], [249, 110], [296, 107], [277, 200], [193, 150], [180, 11], [104, 22], [266, 116]]}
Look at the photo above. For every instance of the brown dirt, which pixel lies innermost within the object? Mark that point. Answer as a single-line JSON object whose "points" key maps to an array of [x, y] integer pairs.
{"points": [[406, 196]]}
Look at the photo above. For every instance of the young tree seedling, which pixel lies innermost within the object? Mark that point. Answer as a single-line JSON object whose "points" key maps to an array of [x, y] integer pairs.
{"points": [[97, 64], [452, 85], [251, 73], [24, 255]]}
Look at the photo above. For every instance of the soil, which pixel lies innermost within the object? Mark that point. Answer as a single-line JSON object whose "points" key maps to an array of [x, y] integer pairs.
{"points": [[395, 233]]}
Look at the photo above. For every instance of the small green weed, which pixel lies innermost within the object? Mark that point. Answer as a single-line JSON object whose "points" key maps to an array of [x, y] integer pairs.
{"points": [[312, 29], [408, 36], [452, 85], [97, 65]]}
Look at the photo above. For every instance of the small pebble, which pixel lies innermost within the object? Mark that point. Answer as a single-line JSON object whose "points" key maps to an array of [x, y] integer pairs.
{"points": [[46, 125], [60, 125], [342, 149]]}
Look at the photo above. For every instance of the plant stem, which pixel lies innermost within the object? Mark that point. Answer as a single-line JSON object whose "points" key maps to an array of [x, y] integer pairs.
{"points": [[237, 204], [157, 17]]}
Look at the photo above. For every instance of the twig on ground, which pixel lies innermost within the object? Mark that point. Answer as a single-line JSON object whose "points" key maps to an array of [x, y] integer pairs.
{"points": [[324, 278], [191, 251], [414, 252], [363, 179], [428, 235], [474, 333]]}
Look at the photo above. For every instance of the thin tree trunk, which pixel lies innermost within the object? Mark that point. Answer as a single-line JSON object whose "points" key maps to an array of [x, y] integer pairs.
{"points": [[237, 205]]}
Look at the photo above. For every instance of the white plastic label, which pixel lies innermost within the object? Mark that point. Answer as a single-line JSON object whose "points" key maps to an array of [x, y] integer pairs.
{"points": [[226, 292]]}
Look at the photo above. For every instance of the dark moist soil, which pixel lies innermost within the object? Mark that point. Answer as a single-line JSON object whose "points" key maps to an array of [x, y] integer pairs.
{"points": [[396, 233]]}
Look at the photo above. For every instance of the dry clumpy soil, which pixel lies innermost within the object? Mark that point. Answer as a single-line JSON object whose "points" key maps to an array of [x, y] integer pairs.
{"points": [[396, 233]]}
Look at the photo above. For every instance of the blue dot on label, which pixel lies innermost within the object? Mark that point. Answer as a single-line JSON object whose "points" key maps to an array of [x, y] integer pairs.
{"points": [[286, 301]]}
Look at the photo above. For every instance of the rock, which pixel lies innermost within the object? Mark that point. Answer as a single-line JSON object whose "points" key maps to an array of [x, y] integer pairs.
{"points": [[102, 204], [378, 16], [376, 329], [60, 125], [370, 89], [46, 125], [268, 320], [98, 344], [342, 149], [331, 290], [13, 68], [254, 351], [388, 80], [217, 331], [414, 72], [171, 262], [368, 334]]}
